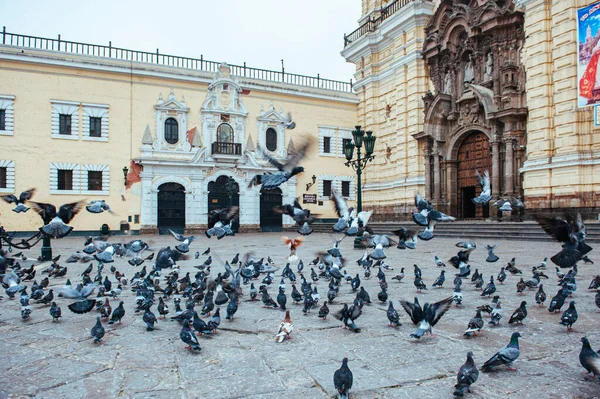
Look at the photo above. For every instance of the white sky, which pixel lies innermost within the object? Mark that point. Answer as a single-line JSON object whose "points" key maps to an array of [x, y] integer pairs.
{"points": [[307, 34]]}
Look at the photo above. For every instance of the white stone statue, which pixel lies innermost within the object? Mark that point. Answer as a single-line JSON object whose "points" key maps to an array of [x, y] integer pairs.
{"points": [[447, 83], [469, 74], [489, 67]]}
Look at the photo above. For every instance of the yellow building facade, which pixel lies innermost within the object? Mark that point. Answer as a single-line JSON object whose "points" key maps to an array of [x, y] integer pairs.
{"points": [[450, 87], [186, 132]]}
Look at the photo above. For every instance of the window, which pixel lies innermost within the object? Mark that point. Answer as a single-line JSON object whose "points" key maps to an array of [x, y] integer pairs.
{"points": [[3, 173], [225, 133], [95, 126], [94, 180], [2, 119], [327, 145], [345, 189], [64, 122], [271, 139], [326, 188], [6, 115], [171, 131], [65, 179]]}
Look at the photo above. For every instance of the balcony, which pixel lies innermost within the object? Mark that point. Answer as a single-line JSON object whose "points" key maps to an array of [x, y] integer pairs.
{"points": [[371, 25], [226, 151]]}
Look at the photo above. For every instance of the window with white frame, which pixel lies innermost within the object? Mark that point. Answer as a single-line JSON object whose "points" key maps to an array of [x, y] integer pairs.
{"points": [[326, 138], [346, 185], [7, 176], [7, 115], [65, 120], [95, 179], [64, 178], [344, 136], [326, 183], [95, 122]]}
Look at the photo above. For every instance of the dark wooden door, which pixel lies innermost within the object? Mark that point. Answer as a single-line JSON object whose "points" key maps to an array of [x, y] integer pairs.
{"points": [[223, 193], [269, 220], [171, 208], [473, 154]]}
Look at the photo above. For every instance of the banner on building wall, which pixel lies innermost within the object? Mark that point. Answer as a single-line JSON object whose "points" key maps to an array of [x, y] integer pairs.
{"points": [[588, 55]]}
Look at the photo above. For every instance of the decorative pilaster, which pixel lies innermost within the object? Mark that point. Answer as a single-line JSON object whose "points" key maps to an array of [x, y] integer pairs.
{"points": [[509, 174], [436, 173], [495, 169], [428, 178]]}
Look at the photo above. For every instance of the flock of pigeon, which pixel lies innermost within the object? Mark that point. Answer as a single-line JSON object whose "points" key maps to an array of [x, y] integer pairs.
{"points": [[161, 282]]}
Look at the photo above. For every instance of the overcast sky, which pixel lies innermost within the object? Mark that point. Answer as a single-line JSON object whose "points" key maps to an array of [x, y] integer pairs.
{"points": [[307, 34]]}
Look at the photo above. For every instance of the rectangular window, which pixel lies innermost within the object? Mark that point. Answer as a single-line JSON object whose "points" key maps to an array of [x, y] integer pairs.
{"points": [[95, 126], [65, 179], [326, 188], [3, 177], [2, 119], [345, 189], [327, 145], [64, 124], [94, 180]]}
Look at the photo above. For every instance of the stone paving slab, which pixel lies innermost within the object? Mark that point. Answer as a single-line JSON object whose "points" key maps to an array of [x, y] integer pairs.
{"points": [[43, 359]]}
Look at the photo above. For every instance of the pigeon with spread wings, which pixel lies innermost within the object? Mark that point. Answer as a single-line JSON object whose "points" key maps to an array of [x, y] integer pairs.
{"points": [[219, 222], [56, 223], [343, 211], [572, 232], [24, 197], [302, 217], [292, 244], [486, 191], [284, 171], [428, 316]]}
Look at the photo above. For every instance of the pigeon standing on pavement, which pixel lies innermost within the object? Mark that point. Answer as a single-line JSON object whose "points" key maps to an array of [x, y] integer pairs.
{"points": [[589, 359], [97, 331], [342, 380], [569, 316], [507, 355], [467, 375]]}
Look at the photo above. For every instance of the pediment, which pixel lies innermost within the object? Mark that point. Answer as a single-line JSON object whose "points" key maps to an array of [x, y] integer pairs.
{"points": [[271, 115], [171, 104]]}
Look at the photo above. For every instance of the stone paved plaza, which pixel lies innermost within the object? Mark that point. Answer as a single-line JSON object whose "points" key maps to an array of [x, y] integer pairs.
{"points": [[59, 360]]}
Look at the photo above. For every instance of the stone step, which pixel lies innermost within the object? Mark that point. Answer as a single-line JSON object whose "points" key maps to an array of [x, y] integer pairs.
{"points": [[530, 231]]}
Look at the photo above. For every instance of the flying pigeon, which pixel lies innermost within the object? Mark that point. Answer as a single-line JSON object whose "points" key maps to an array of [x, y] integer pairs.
{"points": [[572, 233], [20, 202], [427, 317], [486, 191], [407, 238], [284, 171], [98, 206], [219, 222], [184, 247], [506, 355], [56, 223], [508, 205], [302, 217], [491, 255], [288, 123]]}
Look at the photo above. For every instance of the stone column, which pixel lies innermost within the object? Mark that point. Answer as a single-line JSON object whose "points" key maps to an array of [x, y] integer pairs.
{"points": [[451, 189], [495, 169], [428, 177], [509, 174], [436, 173]]}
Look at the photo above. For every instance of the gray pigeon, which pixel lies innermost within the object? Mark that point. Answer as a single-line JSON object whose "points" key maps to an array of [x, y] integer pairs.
{"points": [[20, 202], [506, 355], [589, 358], [467, 375], [97, 331]]}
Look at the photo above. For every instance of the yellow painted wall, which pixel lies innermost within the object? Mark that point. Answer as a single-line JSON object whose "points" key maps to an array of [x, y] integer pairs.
{"points": [[131, 98]]}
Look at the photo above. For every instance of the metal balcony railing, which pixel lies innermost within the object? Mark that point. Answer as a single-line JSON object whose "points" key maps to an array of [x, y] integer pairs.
{"points": [[225, 148], [372, 24], [198, 64]]}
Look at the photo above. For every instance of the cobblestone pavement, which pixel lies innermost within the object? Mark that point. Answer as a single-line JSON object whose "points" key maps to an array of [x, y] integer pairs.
{"points": [[59, 360]]}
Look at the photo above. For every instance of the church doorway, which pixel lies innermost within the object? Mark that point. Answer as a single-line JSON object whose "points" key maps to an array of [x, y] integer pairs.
{"points": [[269, 220], [473, 154], [223, 193], [171, 208]]}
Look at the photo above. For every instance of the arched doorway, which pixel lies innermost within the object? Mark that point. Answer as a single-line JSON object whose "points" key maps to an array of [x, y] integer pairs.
{"points": [[473, 154], [171, 208], [269, 220], [222, 193]]}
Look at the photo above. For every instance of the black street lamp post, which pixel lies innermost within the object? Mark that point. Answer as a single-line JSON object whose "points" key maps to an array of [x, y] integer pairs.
{"points": [[359, 163], [46, 248]]}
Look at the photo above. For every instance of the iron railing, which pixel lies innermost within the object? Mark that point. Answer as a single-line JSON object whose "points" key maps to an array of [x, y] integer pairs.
{"points": [[198, 64], [226, 148], [372, 24]]}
